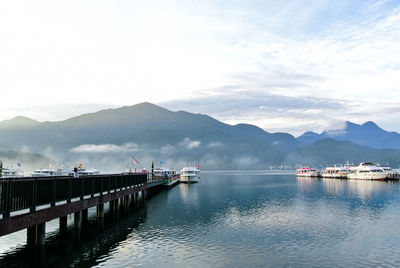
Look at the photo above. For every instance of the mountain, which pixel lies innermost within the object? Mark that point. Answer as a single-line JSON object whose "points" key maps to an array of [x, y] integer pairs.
{"points": [[17, 122], [108, 139], [29, 161], [309, 137], [329, 151], [151, 132], [368, 134]]}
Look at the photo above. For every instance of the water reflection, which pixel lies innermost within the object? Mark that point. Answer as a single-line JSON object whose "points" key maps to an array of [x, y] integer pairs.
{"points": [[242, 221], [91, 245]]}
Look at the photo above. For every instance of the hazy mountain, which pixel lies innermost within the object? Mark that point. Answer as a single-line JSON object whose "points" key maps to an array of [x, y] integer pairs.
{"points": [[309, 137], [152, 132], [28, 161], [368, 134], [17, 122], [330, 151], [108, 139]]}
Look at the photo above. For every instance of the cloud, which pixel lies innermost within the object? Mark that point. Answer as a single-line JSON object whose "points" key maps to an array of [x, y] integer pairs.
{"points": [[168, 149], [105, 148], [312, 52], [189, 144], [280, 113], [245, 161], [215, 144], [269, 111]]}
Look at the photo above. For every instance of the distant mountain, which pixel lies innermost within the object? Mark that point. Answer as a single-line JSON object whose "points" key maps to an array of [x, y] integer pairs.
{"points": [[309, 137], [152, 132], [28, 161], [330, 151], [368, 134], [108, 139], [19, 121]]}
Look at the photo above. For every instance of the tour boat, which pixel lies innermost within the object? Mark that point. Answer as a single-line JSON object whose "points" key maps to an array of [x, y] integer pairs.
{"points": [[337, 172], [367, 171], [64, 171], [391, 173], [163, 173], [88, 171], [11, 172], [307, 172], [49, 172], [190, 175]]}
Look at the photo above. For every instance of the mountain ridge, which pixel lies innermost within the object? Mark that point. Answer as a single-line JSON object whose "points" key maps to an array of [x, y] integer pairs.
{"points": [[109, 137], [368, 133]]}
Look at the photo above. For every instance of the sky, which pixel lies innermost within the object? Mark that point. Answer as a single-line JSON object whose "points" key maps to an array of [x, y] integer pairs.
{"points": [[288, 66]]}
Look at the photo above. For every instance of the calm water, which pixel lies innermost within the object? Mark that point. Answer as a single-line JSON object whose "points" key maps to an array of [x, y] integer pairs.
{"points": [[235, 220]]}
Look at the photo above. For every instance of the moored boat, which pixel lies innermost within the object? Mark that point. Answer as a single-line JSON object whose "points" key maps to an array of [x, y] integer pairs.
{"points": [[391, 173], [307, 172], [12, 172], [50, 172], [336, 172], [190, 175], [367, 171], [88, 172], [62, 170], [163, 173]]}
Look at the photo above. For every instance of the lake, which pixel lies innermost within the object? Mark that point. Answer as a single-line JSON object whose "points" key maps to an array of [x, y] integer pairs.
{"points": [[233, 219]]}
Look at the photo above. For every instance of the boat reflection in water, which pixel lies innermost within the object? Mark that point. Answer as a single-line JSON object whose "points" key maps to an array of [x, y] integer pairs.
{"points": [[306, 184], [360, 189], [189, 193]]}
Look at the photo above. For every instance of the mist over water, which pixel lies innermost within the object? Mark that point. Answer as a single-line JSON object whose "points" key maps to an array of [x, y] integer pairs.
{"points": [[235, 219]]}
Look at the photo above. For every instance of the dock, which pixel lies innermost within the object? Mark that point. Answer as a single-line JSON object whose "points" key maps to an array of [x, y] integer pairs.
{"points": [[171, 183], [29, 202]]}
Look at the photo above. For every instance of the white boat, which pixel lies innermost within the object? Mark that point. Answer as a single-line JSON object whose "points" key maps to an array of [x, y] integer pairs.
{"points": [[367, 171], [12, 172], [163, 173], [391, 173], [337, 172], [88, 171], [64, 171], [190, 175], [49, 172], [307, 172]]}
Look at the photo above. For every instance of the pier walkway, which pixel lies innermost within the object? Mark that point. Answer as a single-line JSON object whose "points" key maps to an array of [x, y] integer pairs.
{"points": [[30, 202]]}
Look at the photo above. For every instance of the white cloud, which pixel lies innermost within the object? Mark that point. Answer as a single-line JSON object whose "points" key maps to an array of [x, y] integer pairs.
{"points": [[168, 149], [245, 161], [105, 148], [215, 144], [190, 144], [341, 50]]}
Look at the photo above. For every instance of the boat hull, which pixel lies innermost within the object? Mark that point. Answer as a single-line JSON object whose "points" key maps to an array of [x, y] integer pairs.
{"points": [[189, 179], [308, 174], [334, 175], [367, 176]]}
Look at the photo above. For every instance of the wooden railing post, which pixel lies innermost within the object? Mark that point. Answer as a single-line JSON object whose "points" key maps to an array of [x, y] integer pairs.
{"points": [[92, 195], [69, 190], [34, 196], [101, 186], [7, 200], [82, 187], [53, 203]]}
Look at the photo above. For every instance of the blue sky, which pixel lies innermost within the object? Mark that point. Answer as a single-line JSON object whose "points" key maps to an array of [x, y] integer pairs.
{"points": [[282, 65]]}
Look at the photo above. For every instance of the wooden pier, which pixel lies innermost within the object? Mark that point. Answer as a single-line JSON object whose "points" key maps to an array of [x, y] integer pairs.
{"points": [[30, 202]]}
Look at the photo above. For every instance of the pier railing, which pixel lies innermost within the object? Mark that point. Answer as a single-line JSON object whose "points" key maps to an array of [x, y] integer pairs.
{"points": [[29, 193]]}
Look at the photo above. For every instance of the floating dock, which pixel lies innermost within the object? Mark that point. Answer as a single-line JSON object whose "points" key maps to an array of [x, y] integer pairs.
{"points": [[172, 183]]}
